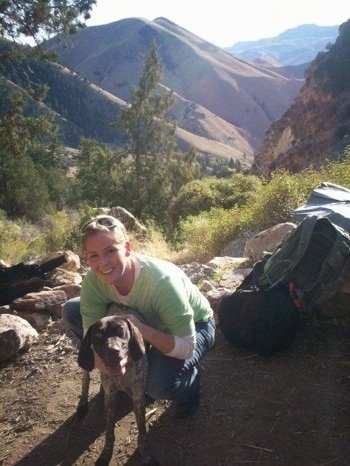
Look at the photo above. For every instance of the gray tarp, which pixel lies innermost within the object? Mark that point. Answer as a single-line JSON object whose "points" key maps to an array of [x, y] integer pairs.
{"points": [[328, 200]]}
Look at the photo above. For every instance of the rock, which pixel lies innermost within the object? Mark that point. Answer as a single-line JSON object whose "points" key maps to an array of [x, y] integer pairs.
{"points": [[49, 301], [130, 222], [38, 320], [233, 278], [267, 241], [215, 295], [223, 262], [72, 263], [220, 276], [197, 272], [71, 289], [5, 309], [64, 277], [16, 334]]}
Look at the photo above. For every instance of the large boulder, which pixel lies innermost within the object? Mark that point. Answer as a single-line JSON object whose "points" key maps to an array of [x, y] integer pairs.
{"points": [[267, 241], [16, 334]]}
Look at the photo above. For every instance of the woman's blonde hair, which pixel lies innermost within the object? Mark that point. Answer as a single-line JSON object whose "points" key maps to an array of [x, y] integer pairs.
{"points": [[104, 223]]}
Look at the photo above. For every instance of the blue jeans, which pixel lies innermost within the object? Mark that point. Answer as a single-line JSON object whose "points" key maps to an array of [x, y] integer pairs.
{"points": [[168, 378]]}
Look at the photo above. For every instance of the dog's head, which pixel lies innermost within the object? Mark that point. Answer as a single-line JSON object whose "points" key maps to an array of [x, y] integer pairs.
{"points": [[116, 340]]}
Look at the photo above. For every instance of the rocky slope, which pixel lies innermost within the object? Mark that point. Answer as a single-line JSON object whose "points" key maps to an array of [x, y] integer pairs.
{"points": [[316, 127]]}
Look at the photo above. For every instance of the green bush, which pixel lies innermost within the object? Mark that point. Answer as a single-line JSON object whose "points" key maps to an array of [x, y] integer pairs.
{"points": [[212, 212], [208, 233], [61, 230], [201, 196], [15, 238], [338, 172], [22, 241], [281, 195]]}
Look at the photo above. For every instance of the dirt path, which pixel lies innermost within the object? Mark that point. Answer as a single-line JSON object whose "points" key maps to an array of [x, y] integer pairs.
{"points": [[290, 410]]}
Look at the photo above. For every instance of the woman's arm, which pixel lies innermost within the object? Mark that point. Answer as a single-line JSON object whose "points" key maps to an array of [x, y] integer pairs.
{"points": [[163, 341], [168, 344]]}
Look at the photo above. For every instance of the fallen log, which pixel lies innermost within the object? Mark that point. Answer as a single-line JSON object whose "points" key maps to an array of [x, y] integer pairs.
{"points": [[22, 278]]}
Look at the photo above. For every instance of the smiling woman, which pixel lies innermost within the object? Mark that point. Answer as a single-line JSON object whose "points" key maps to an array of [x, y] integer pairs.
{"points": [[179, 323]]}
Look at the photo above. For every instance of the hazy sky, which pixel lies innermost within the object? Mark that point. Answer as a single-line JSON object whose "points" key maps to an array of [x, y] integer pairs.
{"points": [[225, 22]]}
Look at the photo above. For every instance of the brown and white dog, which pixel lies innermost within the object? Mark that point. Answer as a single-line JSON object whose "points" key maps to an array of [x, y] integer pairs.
{"points": [[120, 345]]}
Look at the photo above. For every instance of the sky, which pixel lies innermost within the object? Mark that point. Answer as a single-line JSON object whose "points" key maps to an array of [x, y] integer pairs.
{"points": [[225, 22]]}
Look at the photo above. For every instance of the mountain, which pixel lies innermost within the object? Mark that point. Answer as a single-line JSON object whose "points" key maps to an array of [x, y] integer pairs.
{"points": [[316, 127], [295, 46], [223, 103]]}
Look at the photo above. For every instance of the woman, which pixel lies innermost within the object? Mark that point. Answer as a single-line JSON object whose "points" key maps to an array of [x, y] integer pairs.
{"points": [[180, 325]]}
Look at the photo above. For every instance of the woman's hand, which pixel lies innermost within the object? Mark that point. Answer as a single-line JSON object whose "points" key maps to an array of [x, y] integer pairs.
{"points": [[163, 341]]}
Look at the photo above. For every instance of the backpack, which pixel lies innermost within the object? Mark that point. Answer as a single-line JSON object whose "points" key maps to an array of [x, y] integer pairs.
{"points": [[265, 321], [314, 258]]}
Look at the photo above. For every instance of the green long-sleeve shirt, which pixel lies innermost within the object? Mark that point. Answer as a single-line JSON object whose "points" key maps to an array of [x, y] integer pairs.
{"points": [[162, 293]]}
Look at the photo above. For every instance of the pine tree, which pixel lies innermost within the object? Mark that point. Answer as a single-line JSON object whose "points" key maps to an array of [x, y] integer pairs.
{"points": [[94, 177], [153, 161]]}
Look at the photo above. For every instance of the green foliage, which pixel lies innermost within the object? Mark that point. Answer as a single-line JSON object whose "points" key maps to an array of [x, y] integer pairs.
{"points": [[61, 231], [39, 19], [208, 233], [22, 241], [338, 172], [205, 235], [153, 171], [253, 206], [281, 195], [29, 151], [15, 238], [94, 177], [202, 195]]}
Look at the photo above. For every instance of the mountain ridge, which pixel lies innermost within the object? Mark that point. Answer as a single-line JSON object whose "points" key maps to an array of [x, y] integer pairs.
{"points": [[245, 95], [224, 105], [295, 46]]}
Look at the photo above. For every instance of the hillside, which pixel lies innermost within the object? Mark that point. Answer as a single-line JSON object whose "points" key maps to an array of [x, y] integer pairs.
{"points": [[225, 106], [316, 127], [246, 96]]}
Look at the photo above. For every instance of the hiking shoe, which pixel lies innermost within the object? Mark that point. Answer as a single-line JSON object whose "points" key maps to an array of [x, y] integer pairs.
{"points": [[187, 408]]}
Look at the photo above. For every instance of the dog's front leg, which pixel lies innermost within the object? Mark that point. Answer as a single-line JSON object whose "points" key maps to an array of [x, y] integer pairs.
{"points": [[82, 407], [110, 410], [147, 458]]}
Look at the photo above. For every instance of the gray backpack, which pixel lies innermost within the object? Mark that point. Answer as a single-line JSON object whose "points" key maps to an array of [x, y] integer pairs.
{"points": [[314, 259]]}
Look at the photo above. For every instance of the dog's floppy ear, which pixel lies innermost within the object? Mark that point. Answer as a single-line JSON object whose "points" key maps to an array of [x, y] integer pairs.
{"points": [[86, 359], [137, 347]]}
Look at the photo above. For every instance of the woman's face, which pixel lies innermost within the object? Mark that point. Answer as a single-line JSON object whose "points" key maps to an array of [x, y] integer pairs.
{"points": [[108, 259]]}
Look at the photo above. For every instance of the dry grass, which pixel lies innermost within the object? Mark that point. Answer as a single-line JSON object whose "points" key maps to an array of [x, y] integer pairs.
{"points": [[156, 246]]}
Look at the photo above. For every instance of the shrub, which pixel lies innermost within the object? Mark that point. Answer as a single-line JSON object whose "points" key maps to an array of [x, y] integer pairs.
{"points": [[207, 234], [338, 172], [15, 238], [281, 195], [203, 195]]}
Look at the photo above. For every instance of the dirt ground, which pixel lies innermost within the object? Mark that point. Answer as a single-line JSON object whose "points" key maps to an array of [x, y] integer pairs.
{"points": [[290, 409]]}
